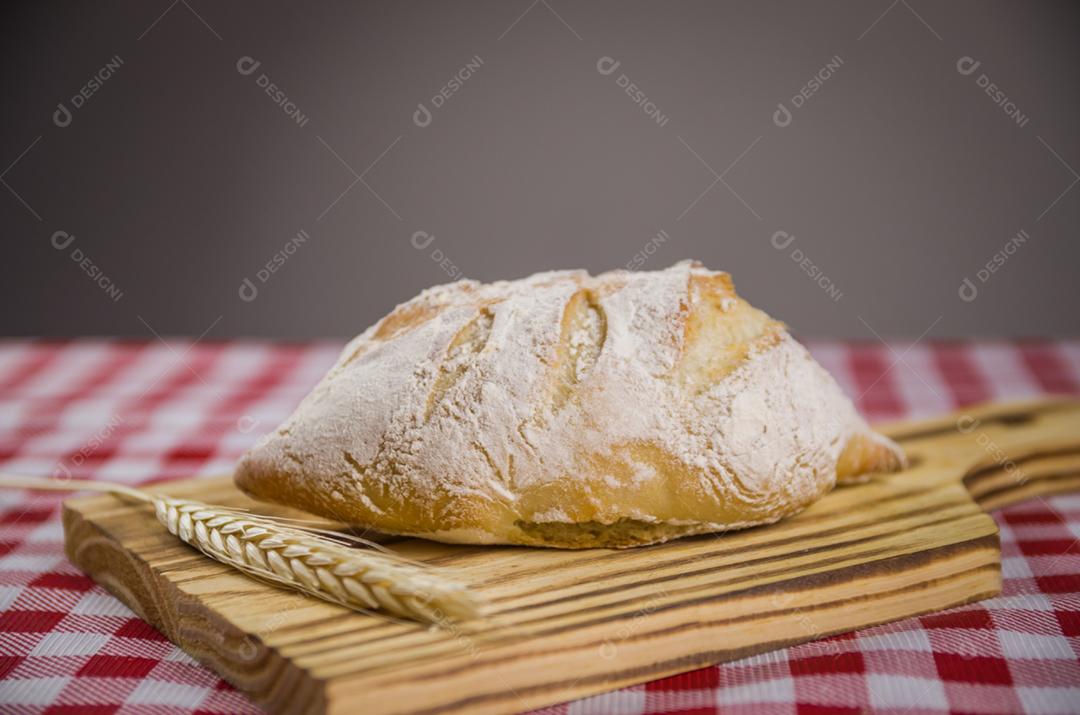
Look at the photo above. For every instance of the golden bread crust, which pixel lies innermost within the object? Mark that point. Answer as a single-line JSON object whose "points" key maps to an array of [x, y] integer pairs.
{"points": [[572, 411]]}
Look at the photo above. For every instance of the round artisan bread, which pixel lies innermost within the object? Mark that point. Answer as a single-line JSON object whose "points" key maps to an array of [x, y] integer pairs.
{"points": [[568, 410]]}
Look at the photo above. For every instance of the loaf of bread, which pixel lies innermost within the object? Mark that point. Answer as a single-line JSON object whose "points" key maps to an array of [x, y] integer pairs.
{"points": [[569, 410]]}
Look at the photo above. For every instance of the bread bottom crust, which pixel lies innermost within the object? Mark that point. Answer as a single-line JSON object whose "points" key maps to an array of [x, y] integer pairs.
{"points": [[865, 454]]}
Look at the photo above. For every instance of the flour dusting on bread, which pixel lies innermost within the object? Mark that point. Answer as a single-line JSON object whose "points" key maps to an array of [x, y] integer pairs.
{"points": [[569, 410]]}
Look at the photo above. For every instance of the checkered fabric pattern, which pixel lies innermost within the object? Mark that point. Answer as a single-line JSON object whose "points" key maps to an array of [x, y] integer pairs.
{"points": [[139, 412]]}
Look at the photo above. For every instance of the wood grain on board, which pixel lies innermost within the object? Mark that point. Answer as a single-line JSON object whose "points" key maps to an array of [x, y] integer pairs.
{"points": [[565, 624]]}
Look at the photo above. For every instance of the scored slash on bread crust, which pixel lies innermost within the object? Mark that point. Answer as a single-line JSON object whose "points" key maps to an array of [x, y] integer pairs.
{"points": [[569, 410]]}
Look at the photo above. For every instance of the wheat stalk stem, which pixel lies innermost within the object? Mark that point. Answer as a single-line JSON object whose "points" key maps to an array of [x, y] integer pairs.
{"points": [[292, 557]]}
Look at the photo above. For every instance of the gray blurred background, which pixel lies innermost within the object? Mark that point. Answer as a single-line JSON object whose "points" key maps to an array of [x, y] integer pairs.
{"points": [[852, 164]]}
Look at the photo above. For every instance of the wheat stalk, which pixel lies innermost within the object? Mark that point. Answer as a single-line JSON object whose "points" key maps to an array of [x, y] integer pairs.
{"points": [[267, 549], [318, 566]]}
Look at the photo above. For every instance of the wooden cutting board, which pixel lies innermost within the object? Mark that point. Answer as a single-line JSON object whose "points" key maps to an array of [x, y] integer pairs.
{"points": [[567, 624]]}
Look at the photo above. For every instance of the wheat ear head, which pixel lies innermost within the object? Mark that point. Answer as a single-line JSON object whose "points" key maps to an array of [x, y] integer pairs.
{"points": [[360, 579], [356, 578]]}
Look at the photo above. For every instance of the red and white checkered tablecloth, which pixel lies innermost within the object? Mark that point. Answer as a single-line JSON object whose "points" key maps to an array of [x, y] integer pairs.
{"points": [[134, 412]]}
